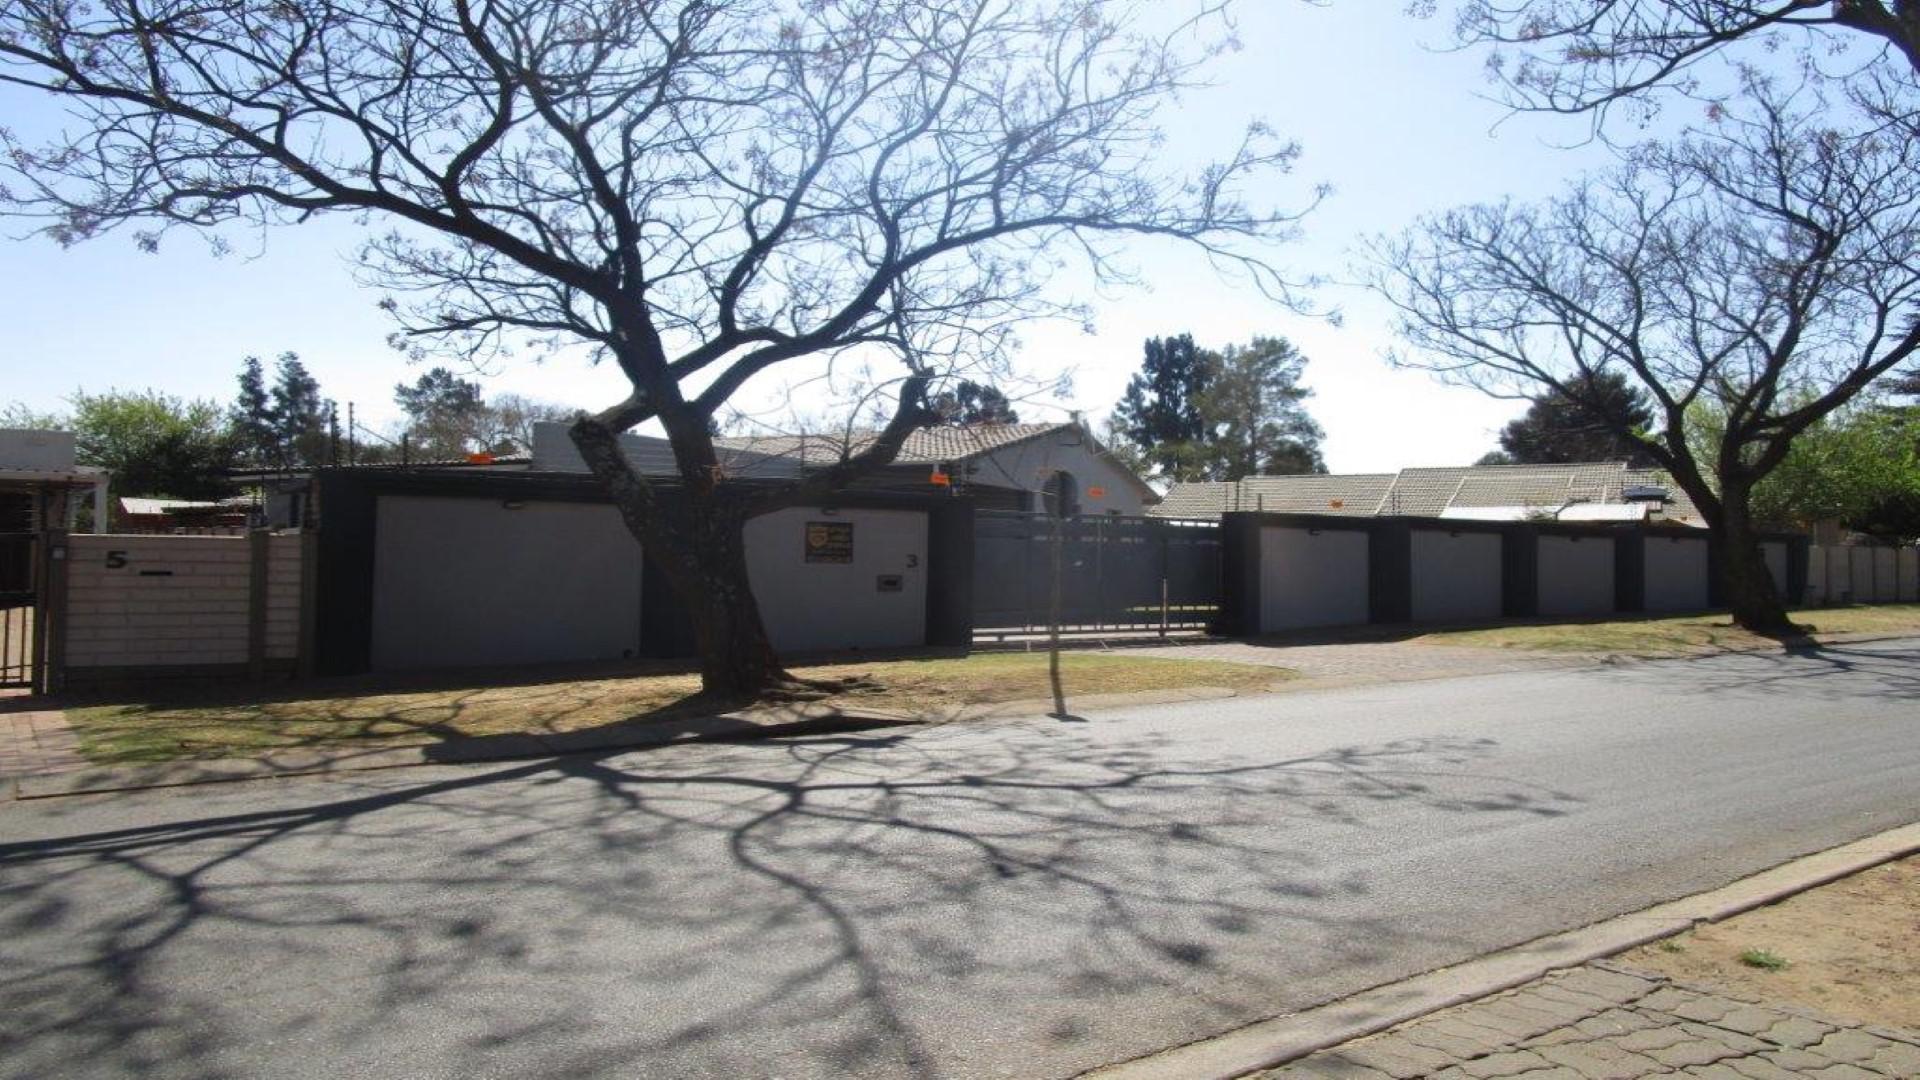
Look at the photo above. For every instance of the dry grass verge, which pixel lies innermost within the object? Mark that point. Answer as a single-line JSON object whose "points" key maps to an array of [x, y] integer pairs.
{"points": [[1682, 634], [238, 721], [1847, 949]]}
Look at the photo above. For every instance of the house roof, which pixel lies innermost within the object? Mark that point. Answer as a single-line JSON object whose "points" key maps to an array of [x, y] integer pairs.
{"points": [[1356, 494], [767, 454], [1495, 492], [927, 446]]}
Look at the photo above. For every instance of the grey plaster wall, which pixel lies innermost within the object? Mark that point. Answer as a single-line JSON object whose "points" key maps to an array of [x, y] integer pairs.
{"points": [[463, 582], [1775, 552], [1575, 575], [1456, 576], [822, 606], [1312, 578], [1909, 567], [1676, 573]]}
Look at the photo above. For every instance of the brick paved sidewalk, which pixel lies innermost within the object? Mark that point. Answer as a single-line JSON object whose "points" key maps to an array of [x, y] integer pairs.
{"points": [[35, 742], [1608, 1022]]}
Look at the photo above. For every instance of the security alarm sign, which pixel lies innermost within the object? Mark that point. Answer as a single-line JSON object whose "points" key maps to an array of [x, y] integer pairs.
{"points": [[1096, 492], [830, 541]]}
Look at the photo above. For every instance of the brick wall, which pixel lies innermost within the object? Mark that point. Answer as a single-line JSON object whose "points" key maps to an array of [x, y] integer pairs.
{"points": [[283, 596], [177, 601]]}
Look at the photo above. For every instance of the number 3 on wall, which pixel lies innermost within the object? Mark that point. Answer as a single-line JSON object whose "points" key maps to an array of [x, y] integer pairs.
{"points": [[913, 562]]}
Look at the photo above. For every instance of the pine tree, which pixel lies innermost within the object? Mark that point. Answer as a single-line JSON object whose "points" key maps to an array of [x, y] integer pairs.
{"points": [[1160, 414], [974, 403], [1255, 412], [251, 417], [1562, 430], [299, 415], [445, 414]]}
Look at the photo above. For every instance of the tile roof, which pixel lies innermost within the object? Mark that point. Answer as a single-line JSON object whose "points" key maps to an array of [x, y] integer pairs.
{"points": [[928, 446], [1306, 493], [1429, 492]]}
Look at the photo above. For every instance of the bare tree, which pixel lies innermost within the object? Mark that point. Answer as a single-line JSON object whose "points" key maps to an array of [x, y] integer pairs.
{"points": [[697, 190], [1586, 55], [1768, 266]]}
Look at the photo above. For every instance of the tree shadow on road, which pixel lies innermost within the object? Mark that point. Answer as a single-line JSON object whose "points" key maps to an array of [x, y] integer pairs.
{"points": [[887, 905]]}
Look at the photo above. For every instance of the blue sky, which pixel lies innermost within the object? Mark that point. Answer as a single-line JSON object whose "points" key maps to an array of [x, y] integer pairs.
{"points": [[1395, 125]]}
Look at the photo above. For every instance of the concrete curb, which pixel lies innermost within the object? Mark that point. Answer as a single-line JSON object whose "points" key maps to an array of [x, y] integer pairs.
{"points": [[754, 725], [1270, 1043]]}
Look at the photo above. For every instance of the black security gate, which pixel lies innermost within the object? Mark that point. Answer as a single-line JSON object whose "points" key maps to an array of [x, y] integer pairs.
{"points": [[1116, 573], [19, 654]]}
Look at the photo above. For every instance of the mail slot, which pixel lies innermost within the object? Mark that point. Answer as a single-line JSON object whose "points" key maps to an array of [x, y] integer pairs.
{"points": [[889, 583]]}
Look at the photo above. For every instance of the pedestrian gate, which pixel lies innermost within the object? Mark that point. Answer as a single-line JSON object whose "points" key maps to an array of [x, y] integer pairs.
{"points": [[19, 606], [1115, 573]]}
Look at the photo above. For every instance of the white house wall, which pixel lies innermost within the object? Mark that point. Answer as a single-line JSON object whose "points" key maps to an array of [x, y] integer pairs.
{"points": [[827, 606], [1027, 466], [1575, 575], [1676, 574], [1456, 576], [1312, 577], [466, 582]]}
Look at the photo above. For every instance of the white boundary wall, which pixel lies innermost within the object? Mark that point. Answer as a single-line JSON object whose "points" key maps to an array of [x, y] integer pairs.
{"points": [[1312, 577], [1456, 576], [1863, 574], [1575, 575], [1676, 573], [827, 606]]}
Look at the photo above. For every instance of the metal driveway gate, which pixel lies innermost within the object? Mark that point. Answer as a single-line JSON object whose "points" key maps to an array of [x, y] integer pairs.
{"points": [[1117, 573], [19, 604]]}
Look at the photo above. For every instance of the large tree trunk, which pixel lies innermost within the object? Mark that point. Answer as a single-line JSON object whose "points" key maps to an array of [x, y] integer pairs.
{"points": [[1752, 595], [696, 536], [736, 655]]}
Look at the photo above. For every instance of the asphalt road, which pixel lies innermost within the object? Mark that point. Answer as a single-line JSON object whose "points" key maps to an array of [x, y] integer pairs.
{"points": [[1024, 899]]}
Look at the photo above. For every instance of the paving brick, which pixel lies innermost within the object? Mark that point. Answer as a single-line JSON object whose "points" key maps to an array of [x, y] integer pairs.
{"points": [[1732, 1040], [1650, 1039], [1554, 1008], [1518, 1022], [1460, 1040], [1396, 1057], [1900, 1059], [1557, 990], [1843, 1072], [1850, 1046], [1716, 1071], [1754, 1068], [1752, 1019], [1510, 1063], [1601, 1061], [1693, 1050], [1796, 1032], [1615, 1022], [1615, 986], [1797, 1062], [1326, 1066], [1705, 1010]]}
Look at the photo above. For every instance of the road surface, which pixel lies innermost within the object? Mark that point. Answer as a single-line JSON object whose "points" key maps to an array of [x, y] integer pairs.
{"points": [[1027, 898]]}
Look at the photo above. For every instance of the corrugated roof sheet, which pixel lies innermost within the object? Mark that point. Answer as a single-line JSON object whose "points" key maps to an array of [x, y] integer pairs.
{"points": [[1432, 492]]}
